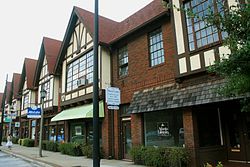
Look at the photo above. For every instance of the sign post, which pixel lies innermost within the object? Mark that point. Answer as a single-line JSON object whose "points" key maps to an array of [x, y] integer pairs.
{"points": [[113, 100]]}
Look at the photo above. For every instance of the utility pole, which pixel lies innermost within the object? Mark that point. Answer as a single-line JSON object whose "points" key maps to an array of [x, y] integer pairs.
{"points": [[96, 141], [3, 107]]}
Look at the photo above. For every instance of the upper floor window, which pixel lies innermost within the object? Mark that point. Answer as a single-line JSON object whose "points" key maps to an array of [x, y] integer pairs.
{"points": [[199, 33], [123, 61], [156, 47], [26, 101], [46, 87], [45, 70], [80, 72]]}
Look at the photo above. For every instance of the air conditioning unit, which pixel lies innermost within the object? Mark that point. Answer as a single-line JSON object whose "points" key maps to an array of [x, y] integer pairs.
{"points": [[82, 81]]}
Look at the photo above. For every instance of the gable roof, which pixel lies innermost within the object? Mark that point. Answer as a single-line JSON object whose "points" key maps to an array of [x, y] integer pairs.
{"points": [[147, 14], [8, 92], [14, 86], [109, 30], [49, 48], [29, 67]]}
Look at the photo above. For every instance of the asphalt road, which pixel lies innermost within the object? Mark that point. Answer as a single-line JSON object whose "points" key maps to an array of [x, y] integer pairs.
{"points": [[7, 160]]}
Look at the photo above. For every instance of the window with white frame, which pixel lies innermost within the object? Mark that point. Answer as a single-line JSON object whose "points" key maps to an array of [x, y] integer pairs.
{"points": [[199, 33], [80, 72], [156, 47], [26, 100], [123, 61], [46, 87]]}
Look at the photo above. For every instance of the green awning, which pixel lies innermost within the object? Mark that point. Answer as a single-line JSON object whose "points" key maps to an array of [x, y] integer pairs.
{"points": [[85, 111]]}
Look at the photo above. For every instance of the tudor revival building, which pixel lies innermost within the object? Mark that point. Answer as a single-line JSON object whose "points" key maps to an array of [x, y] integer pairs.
{"points": [[28, 98], [45, 79], [158, 57], [14, 102], [75, 66]]}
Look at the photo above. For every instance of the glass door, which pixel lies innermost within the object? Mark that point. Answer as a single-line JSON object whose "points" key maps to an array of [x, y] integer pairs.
{"points": [[126, 139]]}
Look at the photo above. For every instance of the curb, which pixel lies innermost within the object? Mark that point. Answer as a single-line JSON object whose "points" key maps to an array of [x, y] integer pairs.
{"points": [[30, 160]]}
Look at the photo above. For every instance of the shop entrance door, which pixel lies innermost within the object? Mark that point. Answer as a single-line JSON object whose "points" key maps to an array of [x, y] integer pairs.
{"points": [[126, 139], [238, 125]]}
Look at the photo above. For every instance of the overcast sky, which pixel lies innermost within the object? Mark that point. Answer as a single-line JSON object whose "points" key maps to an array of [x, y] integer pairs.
{"points": [[23, 24]]}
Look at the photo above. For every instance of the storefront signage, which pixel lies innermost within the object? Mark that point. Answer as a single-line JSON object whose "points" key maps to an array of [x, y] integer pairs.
{"points": [[163, 129], [34, 112], [17, 124], [113, 97]]}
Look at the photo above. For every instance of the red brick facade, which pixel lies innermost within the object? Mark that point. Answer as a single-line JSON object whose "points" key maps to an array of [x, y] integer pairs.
{"points": [[140, 74]]}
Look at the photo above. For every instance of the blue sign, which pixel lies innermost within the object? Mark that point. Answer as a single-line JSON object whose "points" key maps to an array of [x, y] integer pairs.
{"points": [[34, 112]]}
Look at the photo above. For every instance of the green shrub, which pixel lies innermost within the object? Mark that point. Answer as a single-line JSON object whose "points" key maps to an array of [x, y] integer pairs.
{"points": [[50, 146], [177, 156], [28, 142], [160, 157], [87, 150], [15, 140], [136, 154], [153, 156], [73, 149]]}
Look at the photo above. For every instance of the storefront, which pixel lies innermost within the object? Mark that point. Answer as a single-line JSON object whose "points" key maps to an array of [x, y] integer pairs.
{"points": [[163, 129], [78, 123]]}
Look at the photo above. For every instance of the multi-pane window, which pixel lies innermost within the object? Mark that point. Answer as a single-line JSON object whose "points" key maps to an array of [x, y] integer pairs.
{"points": [[26, 101], [156, 47], [80, 71], [199, 33], [45, 70], [123, 61], [46, 87]]}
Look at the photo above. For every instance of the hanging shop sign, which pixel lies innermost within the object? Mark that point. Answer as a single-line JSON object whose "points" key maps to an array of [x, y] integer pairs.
{"points": [[34, 112]]}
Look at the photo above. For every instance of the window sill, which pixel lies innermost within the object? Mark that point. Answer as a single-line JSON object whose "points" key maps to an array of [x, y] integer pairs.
{"points": [[207, 47]]}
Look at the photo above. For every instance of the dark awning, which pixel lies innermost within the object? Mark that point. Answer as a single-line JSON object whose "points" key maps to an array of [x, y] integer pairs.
{"points": [[172, 96]]}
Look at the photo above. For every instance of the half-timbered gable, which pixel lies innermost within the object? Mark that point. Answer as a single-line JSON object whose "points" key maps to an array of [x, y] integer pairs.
{"points": [[75, 62], [44, 75], [26, 87]]}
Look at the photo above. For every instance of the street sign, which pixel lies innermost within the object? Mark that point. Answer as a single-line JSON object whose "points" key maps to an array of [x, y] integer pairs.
{"points": [[113, 96], [17, 124], [113, 107], [34, 112]]}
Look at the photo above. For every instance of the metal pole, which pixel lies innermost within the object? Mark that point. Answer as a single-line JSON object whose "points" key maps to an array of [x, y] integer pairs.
{"points": [[41, 131], [96, 144], [10, 122], [3, 107]]}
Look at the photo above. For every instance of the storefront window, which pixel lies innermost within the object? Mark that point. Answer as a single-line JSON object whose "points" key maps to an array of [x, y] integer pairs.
{"points": [[77, 133], [60, 133], [52, 133], [164, 128]]}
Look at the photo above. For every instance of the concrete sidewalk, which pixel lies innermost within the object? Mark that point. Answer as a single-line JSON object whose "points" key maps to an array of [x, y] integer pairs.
{"points": [[56, 159]]}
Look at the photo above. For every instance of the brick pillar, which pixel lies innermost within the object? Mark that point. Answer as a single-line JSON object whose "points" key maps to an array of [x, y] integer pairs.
{"points": [[105, 127], [117, 135], [66, 131], [190, 134], [137, 129]]}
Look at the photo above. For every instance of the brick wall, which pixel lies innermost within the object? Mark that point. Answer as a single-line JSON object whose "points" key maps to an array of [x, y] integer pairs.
{"points": [[140, 74], [137, 129]]}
